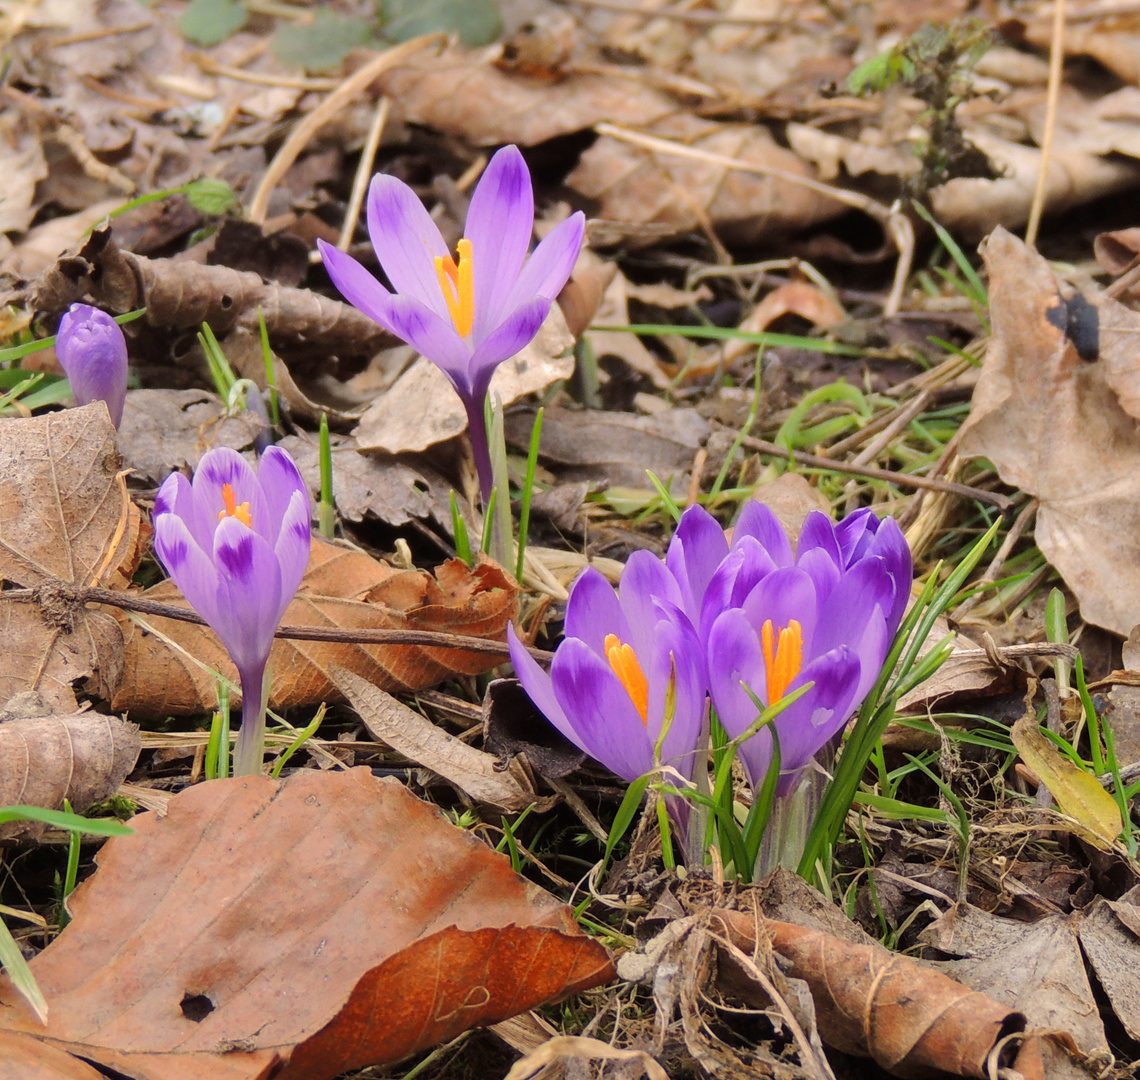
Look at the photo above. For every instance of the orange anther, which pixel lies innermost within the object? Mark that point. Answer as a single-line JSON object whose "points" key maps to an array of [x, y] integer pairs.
{"points": [[232, 509], [783, 657], [623, 660], [457, 283]]}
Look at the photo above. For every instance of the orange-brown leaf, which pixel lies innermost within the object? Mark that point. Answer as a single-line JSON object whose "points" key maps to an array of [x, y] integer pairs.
{"points": [[304, 927]]}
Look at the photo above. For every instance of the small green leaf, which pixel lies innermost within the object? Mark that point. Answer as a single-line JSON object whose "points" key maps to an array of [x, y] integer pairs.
{"points": [[211, 197], [475, 21], [207, 22], [322, 43]]}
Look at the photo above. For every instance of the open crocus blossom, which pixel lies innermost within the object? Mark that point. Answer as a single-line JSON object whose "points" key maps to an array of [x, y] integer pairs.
{"points": [[236, 542], [93, 354], [774, 621], [469, 312], [629, 664]]}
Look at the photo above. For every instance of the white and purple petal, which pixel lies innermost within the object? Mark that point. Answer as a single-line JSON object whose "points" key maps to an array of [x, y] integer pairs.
{"points": [[216, 469], [503, 341], [280, 480], [357, 284], [249, 593], [499, 225], [189, 567], [549, 267], [407, 242], [293, 546]]}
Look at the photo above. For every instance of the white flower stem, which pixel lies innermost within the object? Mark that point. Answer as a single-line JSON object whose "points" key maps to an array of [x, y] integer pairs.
{"points": [[249, 751]]}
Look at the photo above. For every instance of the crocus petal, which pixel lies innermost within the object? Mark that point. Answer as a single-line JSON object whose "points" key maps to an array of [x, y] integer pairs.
{"points": [[187, 564], [855, 533], [593, 611], [745, 566], [890, 545], [92, 351], [676, 655], [644, 581], [734, 660], [280, 480], [219, 467], [176, 496], [853, 615], [294, 541], [539, 688], [784, 595], [407, 241], [759, 521], [818, 533], [249, 594], [499, 225], [607, 725], [431, 336], [549, 268], [695, 553], [811, 721], [357, 285], [820, 566], [515, 331]]}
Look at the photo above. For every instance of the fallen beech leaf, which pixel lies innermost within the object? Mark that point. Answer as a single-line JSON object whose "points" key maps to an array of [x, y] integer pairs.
{"points": [[1036, 968], [911, 1019], [421, 409], [635, 187], [1078, 793], [460, 92], [342, 588], [64, 513], [25, 1058], [615, 447], [1108, 930], [45, 759], [1062, 427], [297, 929], [419, 740]]}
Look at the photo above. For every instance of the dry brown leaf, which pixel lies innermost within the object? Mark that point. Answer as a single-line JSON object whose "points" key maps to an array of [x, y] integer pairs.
{"points": [[25, 1058], [462, 93], [912, 1020], [298, 929], [1036, 968], [409, 733], [1109, 930], [45, 759], [377, 485], [421, 409], [636, 186], [165, 430], [342, 588], [1053, 424], [64, 513], [615, 447]]}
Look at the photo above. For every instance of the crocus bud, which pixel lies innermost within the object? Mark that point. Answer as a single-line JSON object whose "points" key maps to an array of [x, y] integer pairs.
{"points": [[93, 353]]}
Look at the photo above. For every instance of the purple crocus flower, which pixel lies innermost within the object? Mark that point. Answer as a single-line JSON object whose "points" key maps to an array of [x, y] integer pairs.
{"points": [[236, 542], [93, 354], [773, 622], [466, 315], [627, 659]]}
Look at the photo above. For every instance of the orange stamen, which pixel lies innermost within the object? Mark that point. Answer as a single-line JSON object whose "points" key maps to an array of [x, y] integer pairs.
{"points": [[457, 283], [783, 657], [623, 660], [232, 509]]}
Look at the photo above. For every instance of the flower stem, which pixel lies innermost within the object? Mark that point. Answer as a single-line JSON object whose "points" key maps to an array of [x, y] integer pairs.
{"points": [[480, 447], [249, 751]]}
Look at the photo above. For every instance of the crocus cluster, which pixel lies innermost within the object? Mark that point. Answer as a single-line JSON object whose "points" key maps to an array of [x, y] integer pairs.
{"points": [[725, 618], [93, 354], [236, 542], [469, 312]]}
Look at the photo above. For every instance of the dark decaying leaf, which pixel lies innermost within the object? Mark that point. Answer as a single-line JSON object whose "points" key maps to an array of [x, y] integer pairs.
{"points": [[297, 929], [512, 725]]}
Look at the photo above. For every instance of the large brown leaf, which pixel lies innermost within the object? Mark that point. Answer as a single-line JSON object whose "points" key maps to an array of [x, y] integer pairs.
{"points": [[64, 513], [342, 588], [299, 929], [1052, 412]]}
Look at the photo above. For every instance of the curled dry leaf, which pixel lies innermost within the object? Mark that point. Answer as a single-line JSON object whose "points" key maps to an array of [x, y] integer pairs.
{"points": [[912, 1020], [342, 588], [45, 759], [64, 514], [297, 929], [409, 733], [1054, 410], [25, 1058]]}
